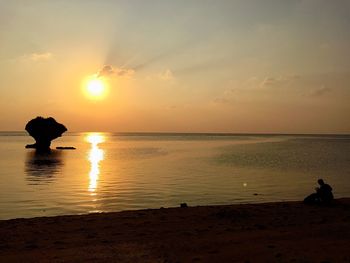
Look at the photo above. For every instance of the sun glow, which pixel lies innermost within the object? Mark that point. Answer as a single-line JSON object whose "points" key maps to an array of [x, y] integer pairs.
{"points": [[96, 88], [95, 155]]}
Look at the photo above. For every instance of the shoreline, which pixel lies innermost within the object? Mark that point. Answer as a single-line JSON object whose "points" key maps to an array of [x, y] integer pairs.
{"points": [[264, 232]]}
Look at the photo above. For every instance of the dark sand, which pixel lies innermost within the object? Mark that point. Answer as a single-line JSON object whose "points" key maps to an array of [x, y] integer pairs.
{"points": [[273, 232]]}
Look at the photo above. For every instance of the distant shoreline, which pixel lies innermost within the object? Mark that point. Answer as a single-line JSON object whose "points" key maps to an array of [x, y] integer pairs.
{"points": [[266, 232], [190, 133]]}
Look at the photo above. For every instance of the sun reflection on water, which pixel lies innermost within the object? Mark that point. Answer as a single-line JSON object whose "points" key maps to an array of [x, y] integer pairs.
{"points": [[95, 156]]}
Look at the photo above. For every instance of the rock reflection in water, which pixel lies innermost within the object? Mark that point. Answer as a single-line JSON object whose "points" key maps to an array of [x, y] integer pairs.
{"points": [[42, 168]]}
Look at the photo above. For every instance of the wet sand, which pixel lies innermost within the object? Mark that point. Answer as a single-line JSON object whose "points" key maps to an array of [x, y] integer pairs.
{"points": [[272, 232]]}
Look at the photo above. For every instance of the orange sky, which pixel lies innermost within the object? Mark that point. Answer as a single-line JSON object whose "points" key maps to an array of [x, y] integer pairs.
{"points": [[177, 66]]}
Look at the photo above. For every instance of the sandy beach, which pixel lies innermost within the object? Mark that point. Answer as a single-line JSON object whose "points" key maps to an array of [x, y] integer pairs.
{"points": [[271, 232]]}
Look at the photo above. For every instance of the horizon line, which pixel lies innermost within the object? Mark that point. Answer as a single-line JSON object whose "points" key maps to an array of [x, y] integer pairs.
{"points": [[195, 133]]}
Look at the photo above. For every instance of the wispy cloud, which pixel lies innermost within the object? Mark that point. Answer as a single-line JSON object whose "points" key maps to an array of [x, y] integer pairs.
{"points": [[221, 100], [320, 91], [36, 57], [259, 88], [277, 81], [166, 75], [110, 71], [269, 81]]}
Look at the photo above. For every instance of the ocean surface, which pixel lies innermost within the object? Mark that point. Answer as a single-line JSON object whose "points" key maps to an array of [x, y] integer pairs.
{"points": [[122, 171]]}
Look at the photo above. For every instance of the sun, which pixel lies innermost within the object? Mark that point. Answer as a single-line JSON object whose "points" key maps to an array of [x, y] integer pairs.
{"points": [[95, 88]]}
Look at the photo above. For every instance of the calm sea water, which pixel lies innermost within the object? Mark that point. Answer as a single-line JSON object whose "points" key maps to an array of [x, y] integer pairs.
{"points": [[112, 172]]}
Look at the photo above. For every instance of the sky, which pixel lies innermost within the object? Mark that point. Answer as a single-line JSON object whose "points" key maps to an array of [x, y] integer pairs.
{"points": [[257, 66]]}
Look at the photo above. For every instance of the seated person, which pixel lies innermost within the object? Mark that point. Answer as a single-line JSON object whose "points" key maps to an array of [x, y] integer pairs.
{"points": [[323, 194], [324, 191]]}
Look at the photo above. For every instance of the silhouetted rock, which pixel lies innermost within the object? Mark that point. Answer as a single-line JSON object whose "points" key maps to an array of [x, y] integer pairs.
{"points": [[65, 148], [44, 130], [183, 205]]}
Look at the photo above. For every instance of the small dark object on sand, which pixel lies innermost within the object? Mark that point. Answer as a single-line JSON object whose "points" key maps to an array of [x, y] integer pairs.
{"points": [[183, 205], [44, 130], [65, 148]]}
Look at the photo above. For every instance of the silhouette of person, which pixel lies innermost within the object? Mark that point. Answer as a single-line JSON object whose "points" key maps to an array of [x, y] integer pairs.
{"points": [[323, 194]]}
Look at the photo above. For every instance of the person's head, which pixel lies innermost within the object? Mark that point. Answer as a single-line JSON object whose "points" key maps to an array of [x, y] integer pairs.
{"points": [[320, 182]]}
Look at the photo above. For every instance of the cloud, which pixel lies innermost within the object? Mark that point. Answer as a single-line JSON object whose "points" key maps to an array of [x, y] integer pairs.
{"points": [[36, 57], [109, 70], [221, 100], [269, 81], [166, 75], [320, 91], [282, 80]]}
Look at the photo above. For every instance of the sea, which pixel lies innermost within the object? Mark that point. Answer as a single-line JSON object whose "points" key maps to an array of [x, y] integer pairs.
{"points": [[126, 171]]}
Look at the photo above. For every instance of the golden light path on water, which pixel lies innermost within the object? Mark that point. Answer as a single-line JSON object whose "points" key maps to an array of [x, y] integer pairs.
{"points": [[95, 155]]}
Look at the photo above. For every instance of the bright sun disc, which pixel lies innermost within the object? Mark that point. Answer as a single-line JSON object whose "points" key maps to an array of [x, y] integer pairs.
{"points": [[95, 88]]}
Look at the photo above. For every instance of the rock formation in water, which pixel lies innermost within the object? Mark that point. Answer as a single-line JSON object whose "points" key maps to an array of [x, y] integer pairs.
{"points": [[44, 130]]}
